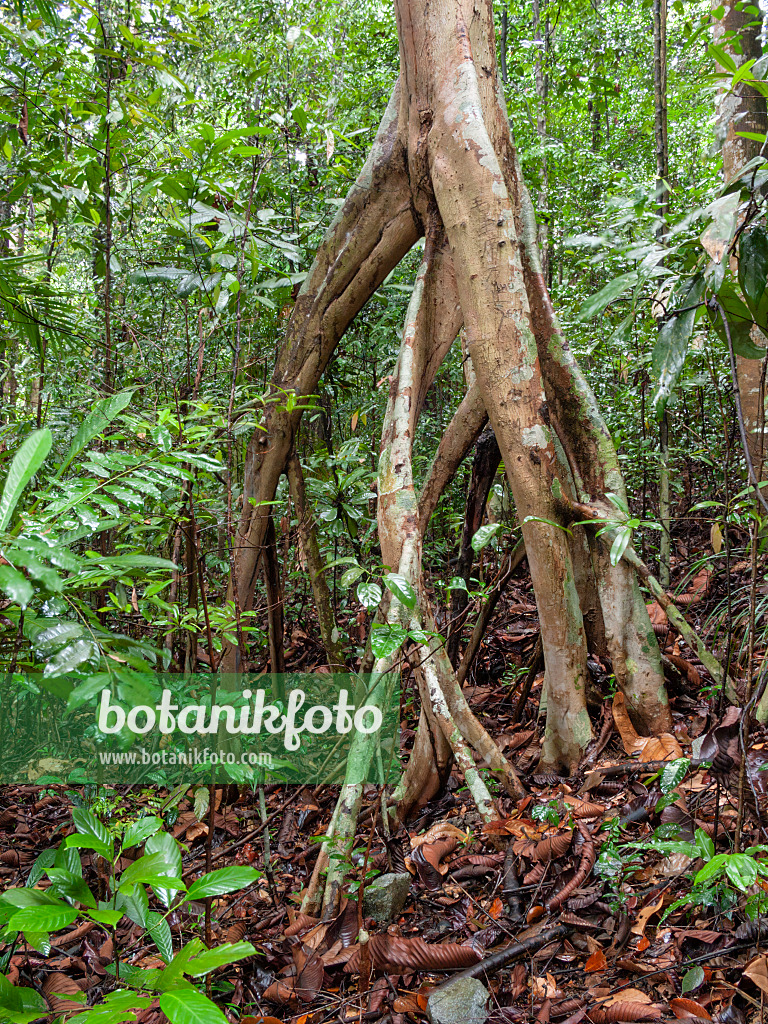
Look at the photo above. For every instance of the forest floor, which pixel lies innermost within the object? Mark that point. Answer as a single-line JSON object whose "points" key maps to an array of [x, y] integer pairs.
{"points": [[634, 940]]}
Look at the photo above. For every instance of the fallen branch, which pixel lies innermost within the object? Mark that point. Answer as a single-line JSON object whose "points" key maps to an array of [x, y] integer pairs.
{"points": [[505, 956]]}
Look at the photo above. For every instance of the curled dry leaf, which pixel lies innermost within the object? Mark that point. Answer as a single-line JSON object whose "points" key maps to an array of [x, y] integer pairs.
{"points": [[304, 984], [235, 932], [440, 830], [553, 847], [588, 857], [624, 1011], [757, 972], [536, 873], [684, 1008], [427, 857], [630, 737], [301, 923], [582, 809], [56, 985], [391, 953]]}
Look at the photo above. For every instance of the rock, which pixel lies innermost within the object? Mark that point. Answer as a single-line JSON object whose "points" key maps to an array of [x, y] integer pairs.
{"points": [[385, 897], [460, 1002]]}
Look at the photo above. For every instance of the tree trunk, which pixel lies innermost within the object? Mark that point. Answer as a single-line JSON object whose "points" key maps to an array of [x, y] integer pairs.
{"points": [[444, 165], [737, 110]]}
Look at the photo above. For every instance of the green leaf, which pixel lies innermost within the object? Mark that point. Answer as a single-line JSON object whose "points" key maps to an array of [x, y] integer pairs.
{"points": [[672, 345], [188, 1006], [387, 639], [457, 583], [164, 843], [69, 884], [88, 824], [351, 575], [23, 898], [21, 1000], [400, 587], [160, 931], [485, 535], [141, 830], [673, 774], [26, 462], [17, 587], [70, 658], [753, 265], [369, 595], [613, 290], [224, 880], [111, 918], [96, 422], [620, 543], [218, 957], [42, 919], [150, 869], [704, 845], [692, 979]]}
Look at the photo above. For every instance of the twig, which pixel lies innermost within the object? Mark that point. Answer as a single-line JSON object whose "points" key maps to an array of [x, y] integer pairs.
{"points": [[496, 961]]}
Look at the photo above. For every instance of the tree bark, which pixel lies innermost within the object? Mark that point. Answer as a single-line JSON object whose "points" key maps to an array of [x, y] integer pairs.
{"points": [[444, 165], [743, 109]]}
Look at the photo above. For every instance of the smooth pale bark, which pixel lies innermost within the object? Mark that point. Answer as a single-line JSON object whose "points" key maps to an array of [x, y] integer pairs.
{"points": [[594, 465], [739, 110], [444, 157], [477, 212]]}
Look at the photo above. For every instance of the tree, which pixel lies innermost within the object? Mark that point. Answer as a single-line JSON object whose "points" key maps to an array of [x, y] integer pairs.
{"points": [[444, 167], [740, 125]]}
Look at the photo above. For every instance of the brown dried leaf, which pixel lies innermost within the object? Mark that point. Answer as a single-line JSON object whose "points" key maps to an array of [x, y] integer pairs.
{"points": [[624, 1011], [553, 847], [645, 914], [235, 932], [391, 953], [56, 985], [757, 972], [627, 995], [683, 1008], [660, 748], [596, 962], [630, 737]]}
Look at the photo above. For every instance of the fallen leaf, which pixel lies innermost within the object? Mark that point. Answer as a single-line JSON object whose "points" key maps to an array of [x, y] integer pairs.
{"points": [[596, 962], [660, 748], [630, 737], [644, 915], [757, 972], [627, 995], [683, 1008]]}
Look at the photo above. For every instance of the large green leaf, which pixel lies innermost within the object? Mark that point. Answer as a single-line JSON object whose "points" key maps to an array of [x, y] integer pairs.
{"points": [[753, 265], [613, 290], [188, 1006], [149, 869], [740, 322], [165, 844], [26, 462], [42, 919], [97, 420], [400, 587], [672, 345], [17, 587], [224, 880], [218, 957]]}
